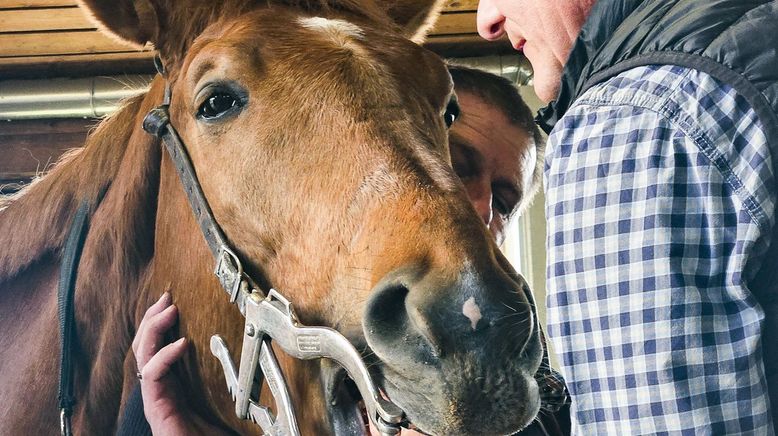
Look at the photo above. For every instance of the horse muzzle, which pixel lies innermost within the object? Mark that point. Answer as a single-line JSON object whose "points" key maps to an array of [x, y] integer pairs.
{"points": [[457, 353]]}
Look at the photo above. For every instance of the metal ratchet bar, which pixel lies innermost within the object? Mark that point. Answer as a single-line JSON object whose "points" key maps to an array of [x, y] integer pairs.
{"points": [[285, 422], [283, 425], [219, 349], [249, 358], [258, 414], [275, 317]]}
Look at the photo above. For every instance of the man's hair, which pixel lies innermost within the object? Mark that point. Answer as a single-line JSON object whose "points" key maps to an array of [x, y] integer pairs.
{"points": [[502, 94]]}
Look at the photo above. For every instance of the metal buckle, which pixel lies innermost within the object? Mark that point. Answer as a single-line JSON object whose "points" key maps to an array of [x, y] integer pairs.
{"points": [[64, 423], [229, 270]]}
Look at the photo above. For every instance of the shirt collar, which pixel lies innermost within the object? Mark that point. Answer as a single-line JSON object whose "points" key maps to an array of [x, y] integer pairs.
{"points": [[604, 18]]}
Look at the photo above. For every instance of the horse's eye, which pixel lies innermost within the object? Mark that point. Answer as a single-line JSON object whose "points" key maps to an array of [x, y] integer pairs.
{"points": [[501, 207], [216, 105], [452, 112]]}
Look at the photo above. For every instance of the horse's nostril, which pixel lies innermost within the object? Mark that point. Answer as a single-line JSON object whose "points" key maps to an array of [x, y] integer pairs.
{"points": [[387, 306], [391, 325]]}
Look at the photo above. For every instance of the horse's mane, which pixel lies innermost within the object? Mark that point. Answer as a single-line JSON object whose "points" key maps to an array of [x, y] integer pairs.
{"points": [[35, 221]]}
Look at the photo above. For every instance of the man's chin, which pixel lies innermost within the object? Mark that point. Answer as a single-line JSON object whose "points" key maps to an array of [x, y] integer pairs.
{"points": [[546, 93], [547, 74]]}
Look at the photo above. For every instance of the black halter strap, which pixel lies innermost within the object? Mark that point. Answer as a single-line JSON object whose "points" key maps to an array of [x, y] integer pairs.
{"points": [[74, 246], [229, 269]]}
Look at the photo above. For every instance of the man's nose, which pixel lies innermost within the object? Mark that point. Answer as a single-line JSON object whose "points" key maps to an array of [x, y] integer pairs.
{"points": [[481, 196], [484, 208], [490, 21]]}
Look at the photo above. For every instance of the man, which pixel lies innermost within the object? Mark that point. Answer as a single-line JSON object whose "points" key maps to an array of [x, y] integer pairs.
{"points": [[661, 205], [496, 150]]}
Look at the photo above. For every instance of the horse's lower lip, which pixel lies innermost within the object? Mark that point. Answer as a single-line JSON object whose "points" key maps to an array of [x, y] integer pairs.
{"points": [[343, 401], [346, 400]]}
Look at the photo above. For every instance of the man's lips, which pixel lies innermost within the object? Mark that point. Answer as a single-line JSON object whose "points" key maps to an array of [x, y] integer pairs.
{"points": [[518, 45]]}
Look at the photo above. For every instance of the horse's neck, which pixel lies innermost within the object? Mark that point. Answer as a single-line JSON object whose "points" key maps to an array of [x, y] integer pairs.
{"points": [[117, 255], [122, 161]]}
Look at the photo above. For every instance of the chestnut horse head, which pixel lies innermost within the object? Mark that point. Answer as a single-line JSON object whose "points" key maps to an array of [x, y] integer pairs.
{"points": [[317, 130]]}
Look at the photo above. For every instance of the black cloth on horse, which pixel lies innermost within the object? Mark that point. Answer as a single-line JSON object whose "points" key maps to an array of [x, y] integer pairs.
{"points": [[133, 421]]}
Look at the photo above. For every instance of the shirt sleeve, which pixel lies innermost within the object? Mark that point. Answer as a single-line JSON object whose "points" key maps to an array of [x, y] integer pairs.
{"points": [[658, 208]]}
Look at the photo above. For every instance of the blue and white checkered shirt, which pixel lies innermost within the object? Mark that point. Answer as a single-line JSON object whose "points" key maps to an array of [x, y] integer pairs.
{"points": [[660, 211]]}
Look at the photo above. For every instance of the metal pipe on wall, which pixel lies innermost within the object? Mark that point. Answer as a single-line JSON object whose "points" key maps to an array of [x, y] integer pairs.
{"points": [[67, 98], [515, 68], [98, 96]]}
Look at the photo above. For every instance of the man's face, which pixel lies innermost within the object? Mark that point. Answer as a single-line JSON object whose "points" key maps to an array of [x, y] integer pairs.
{"points": [[543, 29], [494, 159]]}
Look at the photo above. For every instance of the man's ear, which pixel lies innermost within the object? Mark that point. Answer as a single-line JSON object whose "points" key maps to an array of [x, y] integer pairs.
{"points": [[133, 21], [415, 17]]}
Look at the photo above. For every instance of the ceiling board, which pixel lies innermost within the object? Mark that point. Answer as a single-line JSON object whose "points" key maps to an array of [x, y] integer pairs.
{"points": [[452, 5], [67, 42], [16, 4], [455, 24], [37, 20], [461, 5]]}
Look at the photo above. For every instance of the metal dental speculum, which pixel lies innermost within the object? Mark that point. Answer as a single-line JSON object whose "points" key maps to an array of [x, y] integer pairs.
{"points": [[273, 317]]}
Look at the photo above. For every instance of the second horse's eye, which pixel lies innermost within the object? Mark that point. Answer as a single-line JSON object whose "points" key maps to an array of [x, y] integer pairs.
{"points": [[452, 112], [216, 105]]}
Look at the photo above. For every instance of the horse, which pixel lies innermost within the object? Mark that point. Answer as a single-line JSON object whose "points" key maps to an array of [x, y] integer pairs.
{"points": [[317, 130]]}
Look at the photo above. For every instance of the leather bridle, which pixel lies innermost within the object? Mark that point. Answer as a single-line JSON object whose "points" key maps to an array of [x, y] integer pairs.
{"points": [[268, 316]]}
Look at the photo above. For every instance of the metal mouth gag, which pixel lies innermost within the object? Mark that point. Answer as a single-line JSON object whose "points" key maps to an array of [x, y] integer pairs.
{"points": [[273, 318], [268, 318]]}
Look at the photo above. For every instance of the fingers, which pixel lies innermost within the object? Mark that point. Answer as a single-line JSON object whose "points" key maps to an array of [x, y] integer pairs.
{"points": [[162, 398], [151, 336], [163, 302], [159, 364]]}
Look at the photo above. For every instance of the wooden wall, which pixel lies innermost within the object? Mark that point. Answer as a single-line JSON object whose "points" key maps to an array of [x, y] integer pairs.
{"points": [[29, 148]]}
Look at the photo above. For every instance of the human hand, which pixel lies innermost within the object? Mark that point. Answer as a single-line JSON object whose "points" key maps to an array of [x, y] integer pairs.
{"points": [[161, 391]]}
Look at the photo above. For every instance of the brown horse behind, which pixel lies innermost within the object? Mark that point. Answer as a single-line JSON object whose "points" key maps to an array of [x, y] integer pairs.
{"points": [[327, 170]]}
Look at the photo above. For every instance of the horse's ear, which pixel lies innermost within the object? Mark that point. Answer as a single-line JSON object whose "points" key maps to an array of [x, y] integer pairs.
{"points": [[415, 17], [133, 21]]}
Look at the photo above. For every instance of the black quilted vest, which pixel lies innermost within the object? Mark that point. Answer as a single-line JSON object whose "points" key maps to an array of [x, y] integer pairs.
{"points": [[735, 41]]}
